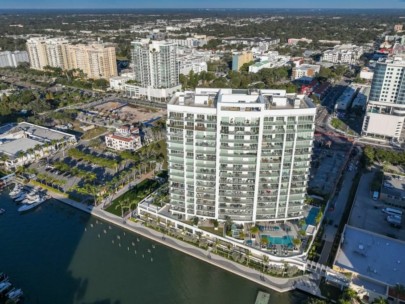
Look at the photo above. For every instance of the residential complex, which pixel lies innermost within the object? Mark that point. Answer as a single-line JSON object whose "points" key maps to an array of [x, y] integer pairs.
{"points": [[239, 59], [156, 69], [305, 72], [13, 59], [345, 53], [25, 143], [240, 154], [95, 60], [386, 107], [124, 138]]}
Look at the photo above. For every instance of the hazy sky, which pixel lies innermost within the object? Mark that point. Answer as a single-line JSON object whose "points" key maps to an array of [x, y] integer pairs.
{"points": [[72, 4]]}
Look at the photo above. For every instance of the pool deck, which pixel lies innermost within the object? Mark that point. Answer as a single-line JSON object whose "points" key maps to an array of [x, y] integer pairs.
{"points": [[274, 283]]}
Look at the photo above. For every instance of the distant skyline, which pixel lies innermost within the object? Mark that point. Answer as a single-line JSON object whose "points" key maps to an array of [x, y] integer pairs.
{"points": [[141, 4]]}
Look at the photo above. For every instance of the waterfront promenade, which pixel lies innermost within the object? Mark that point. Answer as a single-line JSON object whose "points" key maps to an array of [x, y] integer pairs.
{"points": [[274, 283]]}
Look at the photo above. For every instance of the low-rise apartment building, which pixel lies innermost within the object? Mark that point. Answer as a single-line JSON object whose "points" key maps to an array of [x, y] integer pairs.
{"points": [[305, 72], [345, 53], [125, 137]]}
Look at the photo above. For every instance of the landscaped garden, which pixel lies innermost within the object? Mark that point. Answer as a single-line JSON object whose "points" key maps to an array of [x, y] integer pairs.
{"points": [[131, 198]]}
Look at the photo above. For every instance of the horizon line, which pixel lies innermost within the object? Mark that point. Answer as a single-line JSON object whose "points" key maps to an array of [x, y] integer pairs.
{"points": [[205, 8]]}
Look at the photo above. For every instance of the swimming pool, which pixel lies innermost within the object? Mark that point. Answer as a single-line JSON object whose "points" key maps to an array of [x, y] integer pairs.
{"points": [[311, 217], [277, 240]]}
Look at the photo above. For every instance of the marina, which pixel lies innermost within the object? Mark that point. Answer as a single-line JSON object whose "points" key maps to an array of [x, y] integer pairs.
{"points": [[91, 261]]}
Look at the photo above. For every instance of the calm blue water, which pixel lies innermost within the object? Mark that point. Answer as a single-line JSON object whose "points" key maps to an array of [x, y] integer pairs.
{"points": [[60, 255]]}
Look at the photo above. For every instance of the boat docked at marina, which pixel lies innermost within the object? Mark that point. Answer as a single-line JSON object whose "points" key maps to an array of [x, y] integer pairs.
{"points": [[16, 191], [5, 286], [33, 203], [15, 294], [3, 277], [21, 197]]}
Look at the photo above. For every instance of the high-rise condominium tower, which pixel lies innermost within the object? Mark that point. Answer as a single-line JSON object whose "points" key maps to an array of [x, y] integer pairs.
{"points": [[155, 63], [386, 107], [239, 154], [95, 60]]}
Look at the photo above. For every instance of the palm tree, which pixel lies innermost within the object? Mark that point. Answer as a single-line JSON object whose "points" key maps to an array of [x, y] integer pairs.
{"points": [[254, 230], [265, 261], [248, 254], [216, 243]]}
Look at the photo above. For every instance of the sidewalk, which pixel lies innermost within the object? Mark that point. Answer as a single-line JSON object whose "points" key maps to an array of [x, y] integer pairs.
{"points": [[275, 283]]}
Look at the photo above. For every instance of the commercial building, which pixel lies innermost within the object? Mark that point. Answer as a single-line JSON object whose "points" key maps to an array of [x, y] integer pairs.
{"points": [[345, 53], [26, 143], [269, 60], [13, 59], [305, 72], [156, 69], [366, 73], [240, 59], [385, 114], [393, 190], [345, 100], [242, 154], [95, 60], [360, 253], [293, 41]]}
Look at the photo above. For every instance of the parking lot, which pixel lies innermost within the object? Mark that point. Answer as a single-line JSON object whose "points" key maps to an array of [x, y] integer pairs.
{"points": [[367, 213], [329, 156], [101, 174]]}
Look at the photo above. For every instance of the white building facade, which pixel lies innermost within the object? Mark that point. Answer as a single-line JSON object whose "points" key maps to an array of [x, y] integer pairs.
{"points": [[120, 142], [155, 68], [385, 113], [345, 53], [239, 154], [13, 59]]}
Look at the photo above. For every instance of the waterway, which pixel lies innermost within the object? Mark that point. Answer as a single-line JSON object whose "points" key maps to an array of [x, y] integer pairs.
{"points": [[58, 254]]}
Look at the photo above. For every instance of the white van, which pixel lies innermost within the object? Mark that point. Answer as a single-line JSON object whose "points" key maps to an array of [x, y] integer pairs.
{"points": [[375, 195]]}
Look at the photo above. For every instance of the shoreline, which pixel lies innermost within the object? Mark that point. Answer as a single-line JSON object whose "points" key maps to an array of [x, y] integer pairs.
{"points": [[277, 284]]}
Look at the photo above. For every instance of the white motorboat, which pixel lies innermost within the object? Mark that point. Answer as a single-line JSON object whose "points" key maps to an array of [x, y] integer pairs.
{"points": [[33, 204], [4, 286], [31, 199], [21, 197], [15, 294], [16, 191], [2, 211]]}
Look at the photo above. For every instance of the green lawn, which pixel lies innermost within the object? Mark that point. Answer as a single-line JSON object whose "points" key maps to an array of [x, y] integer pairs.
{"points": [[135, 195]]}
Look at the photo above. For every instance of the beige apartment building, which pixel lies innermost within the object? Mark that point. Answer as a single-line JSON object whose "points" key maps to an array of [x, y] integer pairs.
{"points": [[95, 60]]}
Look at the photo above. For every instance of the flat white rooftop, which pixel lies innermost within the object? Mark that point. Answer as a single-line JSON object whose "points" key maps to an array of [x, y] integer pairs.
{"points": [[263, 99], [373, 256], [22, 144]]}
